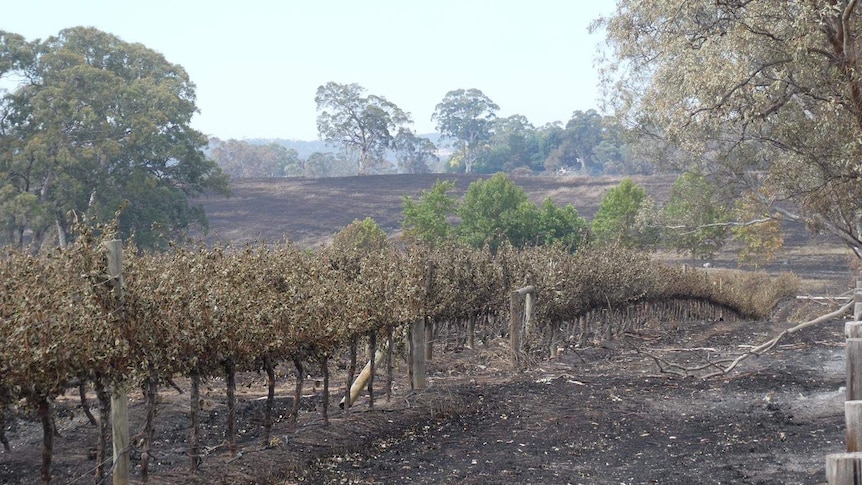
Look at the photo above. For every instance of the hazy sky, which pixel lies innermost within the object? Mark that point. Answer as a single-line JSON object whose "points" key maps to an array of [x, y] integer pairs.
{"points": [[258, 63]]}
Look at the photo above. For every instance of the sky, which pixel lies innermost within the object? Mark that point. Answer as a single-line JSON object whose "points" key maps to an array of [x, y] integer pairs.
{"points": [[258, 63]]}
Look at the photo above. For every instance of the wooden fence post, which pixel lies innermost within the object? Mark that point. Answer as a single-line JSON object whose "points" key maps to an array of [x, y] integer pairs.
{"points": [[120, 395]]}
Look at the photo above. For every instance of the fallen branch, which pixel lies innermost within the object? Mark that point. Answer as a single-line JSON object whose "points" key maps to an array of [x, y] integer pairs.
{"points": [[724, 366], [768, 345]]}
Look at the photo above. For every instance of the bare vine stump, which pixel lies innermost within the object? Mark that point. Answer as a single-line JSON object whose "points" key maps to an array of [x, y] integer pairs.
{"points": [[844, 469]]}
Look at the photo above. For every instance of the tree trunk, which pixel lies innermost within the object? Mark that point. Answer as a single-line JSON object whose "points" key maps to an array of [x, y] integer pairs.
{"points": [[270, 398], [230, 379], [351, 371], [324, 403], [104, 429], [194, 414], [429, 339], [82, 391], [3, 438], [372, 353], [47, 438], [297, 392], [151, 388], [390, 342]]}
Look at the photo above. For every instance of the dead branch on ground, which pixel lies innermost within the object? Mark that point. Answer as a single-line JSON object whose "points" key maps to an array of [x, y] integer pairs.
{"points": [[724, 366]]}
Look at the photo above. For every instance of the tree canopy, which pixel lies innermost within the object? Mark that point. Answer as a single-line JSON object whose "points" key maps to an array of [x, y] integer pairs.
{"points": [[696, 219], [465, 116], [493, 212], [366, 124], [615, 221], [92, 121], [428, 219], [765, 96]]}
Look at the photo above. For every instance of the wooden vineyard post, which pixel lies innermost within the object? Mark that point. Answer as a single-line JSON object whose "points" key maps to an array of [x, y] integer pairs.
{"points": [[515, 321], [363, 378], [515, 327], [857, 300], [528, 312], [429, 339], [846, 468], [853, 417], [417, 346], [120, 396]]}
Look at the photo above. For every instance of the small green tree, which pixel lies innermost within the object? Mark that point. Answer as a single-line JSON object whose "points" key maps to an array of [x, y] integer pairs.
{"points": [[428, 218], [616, 218], [561, 225], [696, 222], [496, 210]]}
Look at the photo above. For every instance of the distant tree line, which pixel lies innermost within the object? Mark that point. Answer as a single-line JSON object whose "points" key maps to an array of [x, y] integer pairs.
{"points": [[371, 135]]}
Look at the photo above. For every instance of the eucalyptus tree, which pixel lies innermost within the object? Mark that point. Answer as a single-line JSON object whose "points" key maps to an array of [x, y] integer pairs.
{"points": [[367, 124], [764, 95], [91, 123], [465, 116], [414, 153]]}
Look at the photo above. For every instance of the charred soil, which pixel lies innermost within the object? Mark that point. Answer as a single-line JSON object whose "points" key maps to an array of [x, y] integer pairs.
{"points": [[596, 414]]}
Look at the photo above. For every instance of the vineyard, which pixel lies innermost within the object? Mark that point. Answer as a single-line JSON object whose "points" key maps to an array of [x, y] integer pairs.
{"points": [[201, 313]]}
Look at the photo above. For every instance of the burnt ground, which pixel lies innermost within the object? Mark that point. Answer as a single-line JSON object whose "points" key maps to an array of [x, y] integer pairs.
{"points": [[602, 413], [597, 414]]}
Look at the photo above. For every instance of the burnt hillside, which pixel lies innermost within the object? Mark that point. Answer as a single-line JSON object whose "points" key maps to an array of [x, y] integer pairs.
{"points": [[309, 211]]}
